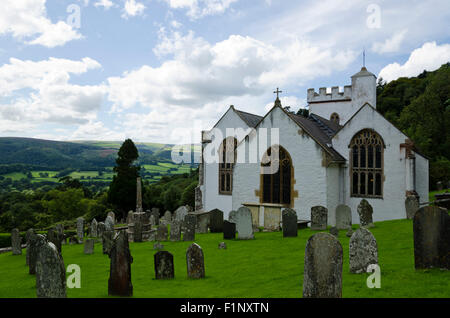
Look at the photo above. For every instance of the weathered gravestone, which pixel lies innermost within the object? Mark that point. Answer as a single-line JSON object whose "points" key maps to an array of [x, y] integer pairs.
{"points": [[334, 231], [319, 218], [119, 283], [216, 221], [107, 241], [175, 231], [54, 237], [152, 220], [100, 229], [195, 262], [202, 223], [109, 223], [323, 267], [289, 223], [229, 230], [411, 206], [343, 217], [16, 242], [155, 213], [80, 229], [180, 213], [94, 225], [244, 226], [60, 230], [189, 227], [28, 235], [431, 238], [168, 217], [89, 246], [113, 216], [161, 233], [232, 216], [164, 268], [50, 272], [365, 212], [36, 242], [130, 217], [363, 251], [138, 220]]}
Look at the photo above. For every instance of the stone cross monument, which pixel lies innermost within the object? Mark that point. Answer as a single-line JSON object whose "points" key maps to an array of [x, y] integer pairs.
{"points": [[139, 208]]}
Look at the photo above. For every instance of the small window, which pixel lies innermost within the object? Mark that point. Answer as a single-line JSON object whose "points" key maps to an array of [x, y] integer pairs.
{"points": [[335, 118]]}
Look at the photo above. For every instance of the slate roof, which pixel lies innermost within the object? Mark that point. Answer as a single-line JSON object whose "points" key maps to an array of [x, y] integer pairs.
{"points": [[251, 119]]}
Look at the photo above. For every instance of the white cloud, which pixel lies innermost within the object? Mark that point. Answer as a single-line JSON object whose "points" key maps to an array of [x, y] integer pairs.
{"points": [[391, 44], [132, 9], [201, 8], [33, 93], [428, 57], [25, 19], [106, 4]]}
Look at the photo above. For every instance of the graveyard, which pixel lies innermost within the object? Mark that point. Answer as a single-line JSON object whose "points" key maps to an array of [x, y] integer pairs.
{"points": [[268, 266]]}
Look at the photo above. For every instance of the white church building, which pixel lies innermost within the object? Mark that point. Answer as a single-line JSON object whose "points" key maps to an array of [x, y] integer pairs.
{"points": [[343, 152]]}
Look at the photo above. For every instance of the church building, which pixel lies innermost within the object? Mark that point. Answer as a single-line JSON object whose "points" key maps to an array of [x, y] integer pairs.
{"points": [[343, 152]]}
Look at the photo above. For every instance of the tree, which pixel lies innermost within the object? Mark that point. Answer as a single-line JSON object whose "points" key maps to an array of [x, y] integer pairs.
{"points": [[122, 190]]}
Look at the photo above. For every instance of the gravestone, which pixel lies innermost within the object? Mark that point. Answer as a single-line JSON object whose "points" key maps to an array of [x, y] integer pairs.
{"points": [[94, 225], [50, 272], [158, 246], [343, 217], [232, 216], [119, 283], [195, 262], [54, 237], [222, 246], [319, 218], [100, 229], [168, 217], [73, 240], [365, 212], [229, 230], [349, 233], [334, 231], [175, 231], [289, 223], [323, 267], [60, 230], [411, 206], [113, 216], [202, 222], [180, 213], [363, 251], [138, 228], [89, 246], [28, 235], [244, 226], [431, 229], [161, 233], [80, 229], [216, 221], [164, 268], [130, 217], [16, 242], [155, 213], [109, 223], [152, 220], [36, 242], [189, 227], [107, 241]]}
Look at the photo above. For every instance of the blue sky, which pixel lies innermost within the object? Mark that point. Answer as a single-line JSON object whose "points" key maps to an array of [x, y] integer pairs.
{"points": [[163, 70]]}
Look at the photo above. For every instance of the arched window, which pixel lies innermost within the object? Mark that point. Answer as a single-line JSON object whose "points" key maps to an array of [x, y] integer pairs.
{"points": [[276, 176], [227, 159], [366, 164], [334, 118]]}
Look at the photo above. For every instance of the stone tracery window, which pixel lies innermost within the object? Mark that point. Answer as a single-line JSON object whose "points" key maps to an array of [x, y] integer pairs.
{"points": [[276, 185], [366, 164], [227, 159]]}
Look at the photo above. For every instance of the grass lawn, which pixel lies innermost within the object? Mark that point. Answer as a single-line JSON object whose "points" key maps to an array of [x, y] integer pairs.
{"points": [[269, 266]]}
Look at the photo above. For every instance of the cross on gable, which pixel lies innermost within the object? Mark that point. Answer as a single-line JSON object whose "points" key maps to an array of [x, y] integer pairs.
{"points": [[278, 92]]}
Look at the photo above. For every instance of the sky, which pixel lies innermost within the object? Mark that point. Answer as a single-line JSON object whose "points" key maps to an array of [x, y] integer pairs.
{"points": [[163, 70]]}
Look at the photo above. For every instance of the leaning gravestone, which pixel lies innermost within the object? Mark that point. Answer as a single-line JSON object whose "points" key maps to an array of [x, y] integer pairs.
{"points": [[431, 238], [94, 225], [36, 242], [54, 237], [244, 226], [319, 218], [50, 272], [365, 212], [323, 267], [289, 223], [411, 206], [164, 268], [216, 221], [195, 262], [109, 223], [189, 227], [229, 230], [107, 241], [119, 283], [363, 251], [161, 233], [180, 213], [16, 242], [80, 229], [343, 217], [175, 231], [89, 246]]}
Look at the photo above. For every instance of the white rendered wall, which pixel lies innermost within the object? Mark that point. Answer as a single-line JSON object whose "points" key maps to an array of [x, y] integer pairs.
{"points": [[343, 109], [333, 186], [210, 192], [310, 176], [392, 205], [422, 178]]}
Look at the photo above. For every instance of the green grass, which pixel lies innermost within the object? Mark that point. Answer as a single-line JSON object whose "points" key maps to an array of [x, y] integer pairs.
{"points": [[269, 266], [432, 193]]}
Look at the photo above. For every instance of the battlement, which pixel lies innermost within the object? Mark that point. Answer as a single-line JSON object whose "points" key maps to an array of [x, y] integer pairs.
{"points": [[334, 96]]}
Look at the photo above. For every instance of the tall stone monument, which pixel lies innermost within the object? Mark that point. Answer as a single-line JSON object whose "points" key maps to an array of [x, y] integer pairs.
{"points": [[119, 283], [139, 208]]}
